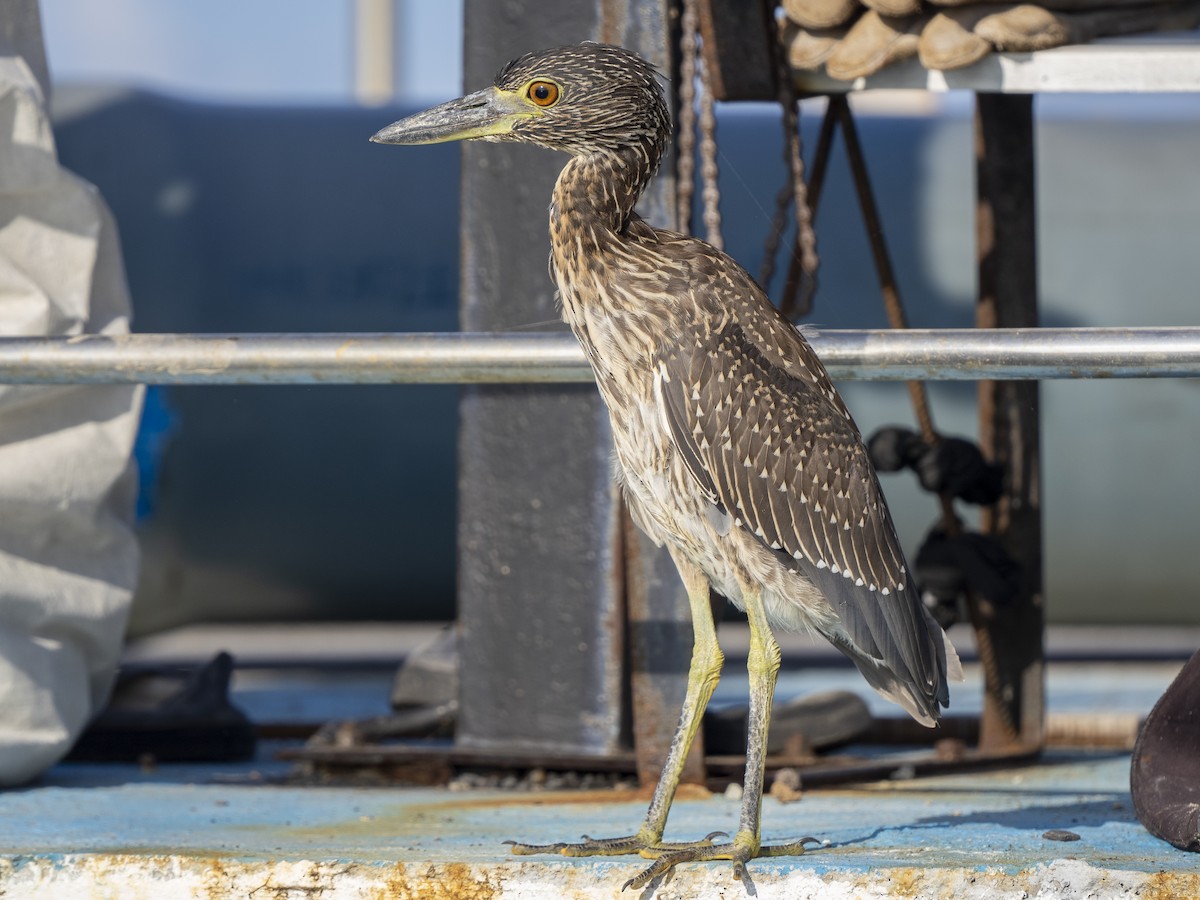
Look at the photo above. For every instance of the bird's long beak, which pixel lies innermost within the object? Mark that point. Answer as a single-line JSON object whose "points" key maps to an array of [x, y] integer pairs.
{"points": [[490, 113]]}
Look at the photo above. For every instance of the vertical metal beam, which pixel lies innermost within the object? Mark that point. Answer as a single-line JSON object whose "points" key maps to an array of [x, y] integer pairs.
{"points": [[737, 48], [541, 584], [1007, 254], [542, 644]]}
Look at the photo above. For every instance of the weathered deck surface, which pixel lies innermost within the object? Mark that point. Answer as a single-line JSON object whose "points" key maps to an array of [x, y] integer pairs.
{"points": [[185, 831], [208, 831]]}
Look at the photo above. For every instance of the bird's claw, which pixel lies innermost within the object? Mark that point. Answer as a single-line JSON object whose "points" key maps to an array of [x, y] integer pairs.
{"points": [[791, 848], [738, 851], [520, 849], [586, 846], [618, 846], [667, 855]]}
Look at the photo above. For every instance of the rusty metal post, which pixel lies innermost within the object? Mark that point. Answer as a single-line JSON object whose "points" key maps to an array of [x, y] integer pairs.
{"points": [[1013, 713]]}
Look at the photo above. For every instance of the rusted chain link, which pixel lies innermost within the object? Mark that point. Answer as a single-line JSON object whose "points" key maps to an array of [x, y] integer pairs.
{"points": [[685, 167], [708, 160], [816, 183], [783, 206], [801, 284], [691, 69]]}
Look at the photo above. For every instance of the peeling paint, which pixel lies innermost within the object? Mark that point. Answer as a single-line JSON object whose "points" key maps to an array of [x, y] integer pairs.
{"points": [[968, 836], [184, 878], [454, 881]]}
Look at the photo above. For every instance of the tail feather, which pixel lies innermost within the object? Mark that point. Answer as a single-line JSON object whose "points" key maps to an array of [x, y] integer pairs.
{"points": [[925, 710], [954, 669], [923, 702]]}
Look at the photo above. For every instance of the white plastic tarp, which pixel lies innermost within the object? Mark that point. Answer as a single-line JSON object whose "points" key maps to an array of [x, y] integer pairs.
{"points": [[68, 557]]}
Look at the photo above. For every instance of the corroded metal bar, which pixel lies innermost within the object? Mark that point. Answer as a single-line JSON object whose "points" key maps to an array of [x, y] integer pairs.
{"points": [[940, 355], [1010, 638]]}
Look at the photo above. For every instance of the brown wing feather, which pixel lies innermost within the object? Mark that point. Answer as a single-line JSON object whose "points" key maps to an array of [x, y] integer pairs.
{"points": [[780, 453]]}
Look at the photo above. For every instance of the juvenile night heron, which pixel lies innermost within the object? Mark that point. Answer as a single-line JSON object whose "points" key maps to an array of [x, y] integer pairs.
{"points": [[736, 451]]}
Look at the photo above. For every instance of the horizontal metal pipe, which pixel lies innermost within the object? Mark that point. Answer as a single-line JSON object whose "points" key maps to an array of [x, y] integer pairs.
{"points": [[943, 354]]}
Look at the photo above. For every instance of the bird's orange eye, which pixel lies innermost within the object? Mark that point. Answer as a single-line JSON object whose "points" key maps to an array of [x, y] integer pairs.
{"points": [[543, 93]]}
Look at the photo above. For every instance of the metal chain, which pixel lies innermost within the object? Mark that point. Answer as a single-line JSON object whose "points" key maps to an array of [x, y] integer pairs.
{"points": [[685, 167], [691, 66], [789, 304], [802, 280], [801, 285], [783, 205], [708, 158], [806, 237]]}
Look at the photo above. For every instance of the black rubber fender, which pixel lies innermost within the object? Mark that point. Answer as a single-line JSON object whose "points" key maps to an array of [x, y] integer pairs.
{"points": [[1164, 775]]}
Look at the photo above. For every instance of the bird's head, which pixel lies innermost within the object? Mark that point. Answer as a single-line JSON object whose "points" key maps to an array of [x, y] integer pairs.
{"points": [[583, 99]]}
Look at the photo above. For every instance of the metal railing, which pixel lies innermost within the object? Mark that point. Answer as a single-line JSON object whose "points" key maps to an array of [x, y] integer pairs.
{"points": [[445, 358]]}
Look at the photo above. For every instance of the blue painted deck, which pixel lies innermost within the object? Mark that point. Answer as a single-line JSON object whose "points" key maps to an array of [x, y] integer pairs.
{"points": [[205, 831], [217, 831]]}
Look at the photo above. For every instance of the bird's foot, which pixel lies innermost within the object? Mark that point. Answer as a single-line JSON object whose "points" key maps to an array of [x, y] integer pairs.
{"points": [[642, 844], [743, 848]]}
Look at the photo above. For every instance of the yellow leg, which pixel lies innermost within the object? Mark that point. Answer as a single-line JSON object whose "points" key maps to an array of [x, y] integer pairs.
{"points": [[703, 674], [763, 666], [762, 663]]}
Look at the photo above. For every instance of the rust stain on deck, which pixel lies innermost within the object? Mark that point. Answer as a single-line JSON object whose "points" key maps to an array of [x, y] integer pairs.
{"points": [[449, 881]]}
